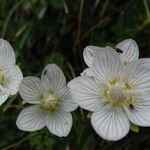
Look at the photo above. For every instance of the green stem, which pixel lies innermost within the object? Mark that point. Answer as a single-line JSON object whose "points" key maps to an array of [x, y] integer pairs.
{"points": [[16, 144], [9, 103]]}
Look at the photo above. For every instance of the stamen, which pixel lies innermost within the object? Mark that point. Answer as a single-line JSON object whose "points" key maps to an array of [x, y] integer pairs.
{"points": [[130, 100], [50, 101], [127, 86], [106, 93], [113, 82]]}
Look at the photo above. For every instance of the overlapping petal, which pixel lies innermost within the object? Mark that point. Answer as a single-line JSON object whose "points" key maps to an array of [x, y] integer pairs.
{"points": [[108, 66], [66, 102], [13, 79], [138, 114], [89, 53], [86, 93], [31, 90], [59, 123], [138, 75], [88, 72], [31, 119], [7, 55], [129, 50], [109, 123]]}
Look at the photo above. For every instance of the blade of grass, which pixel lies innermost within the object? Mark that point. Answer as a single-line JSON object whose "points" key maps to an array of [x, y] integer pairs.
{"points": [[8, 19], [147, 10], [16, 144]]}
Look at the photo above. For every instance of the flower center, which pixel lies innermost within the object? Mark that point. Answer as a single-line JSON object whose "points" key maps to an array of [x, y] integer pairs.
{"points": [[50, 101], [118, 94]]}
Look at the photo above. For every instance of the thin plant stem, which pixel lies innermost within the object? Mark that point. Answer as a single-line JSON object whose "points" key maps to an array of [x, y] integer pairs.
{"points": [[147, 10], [16, 144]]}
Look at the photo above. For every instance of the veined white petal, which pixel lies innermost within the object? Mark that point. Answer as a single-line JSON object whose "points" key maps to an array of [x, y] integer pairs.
{"points": [[89, 53], [142, 100], [31, 119], [59, 123], [144, 61], [31, 90], [130, 50], [86, 93], [138, 74], [67, 104], [13, 79], [138, 114], [3, 96], [88, 72], [52, 77], [7, 55], [109, 123], [107, 65]]}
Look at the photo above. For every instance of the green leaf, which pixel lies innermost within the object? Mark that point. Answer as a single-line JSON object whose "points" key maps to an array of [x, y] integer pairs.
{"points": [[134, 127]]}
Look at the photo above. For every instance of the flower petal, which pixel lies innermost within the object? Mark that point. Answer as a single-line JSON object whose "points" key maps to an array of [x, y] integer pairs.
{"points": [[59, 123], [89, 52], [107, 65], [109, 123], [13, 79], [86, 93], [87, 72], [7, 55], [3, 97], [31, 119], [31, 90], [67, 103], [130, 50], [139, 115], [138, 74], [52, 77]]}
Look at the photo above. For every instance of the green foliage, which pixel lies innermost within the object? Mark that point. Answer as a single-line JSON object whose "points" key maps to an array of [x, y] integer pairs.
{"points": [[39, 142], [56, 31], [56, 3]]}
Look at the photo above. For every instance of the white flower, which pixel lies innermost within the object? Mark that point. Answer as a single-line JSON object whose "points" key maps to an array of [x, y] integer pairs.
{"points": [[127, 49], [117, 94], [52, 102], [10, 74]]}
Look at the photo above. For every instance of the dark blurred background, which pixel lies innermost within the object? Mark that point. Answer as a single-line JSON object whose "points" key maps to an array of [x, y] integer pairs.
{"points": [[56, 31]]}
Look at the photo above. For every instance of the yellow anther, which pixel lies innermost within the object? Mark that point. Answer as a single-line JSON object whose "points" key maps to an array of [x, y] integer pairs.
{"points": [[130, 100], [127, 86], [113, 82], [106, 93]]}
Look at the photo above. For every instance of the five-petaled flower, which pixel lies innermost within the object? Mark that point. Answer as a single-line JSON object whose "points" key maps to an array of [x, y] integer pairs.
{"points": [[116, 91], [10, 74], [52, 102]]}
